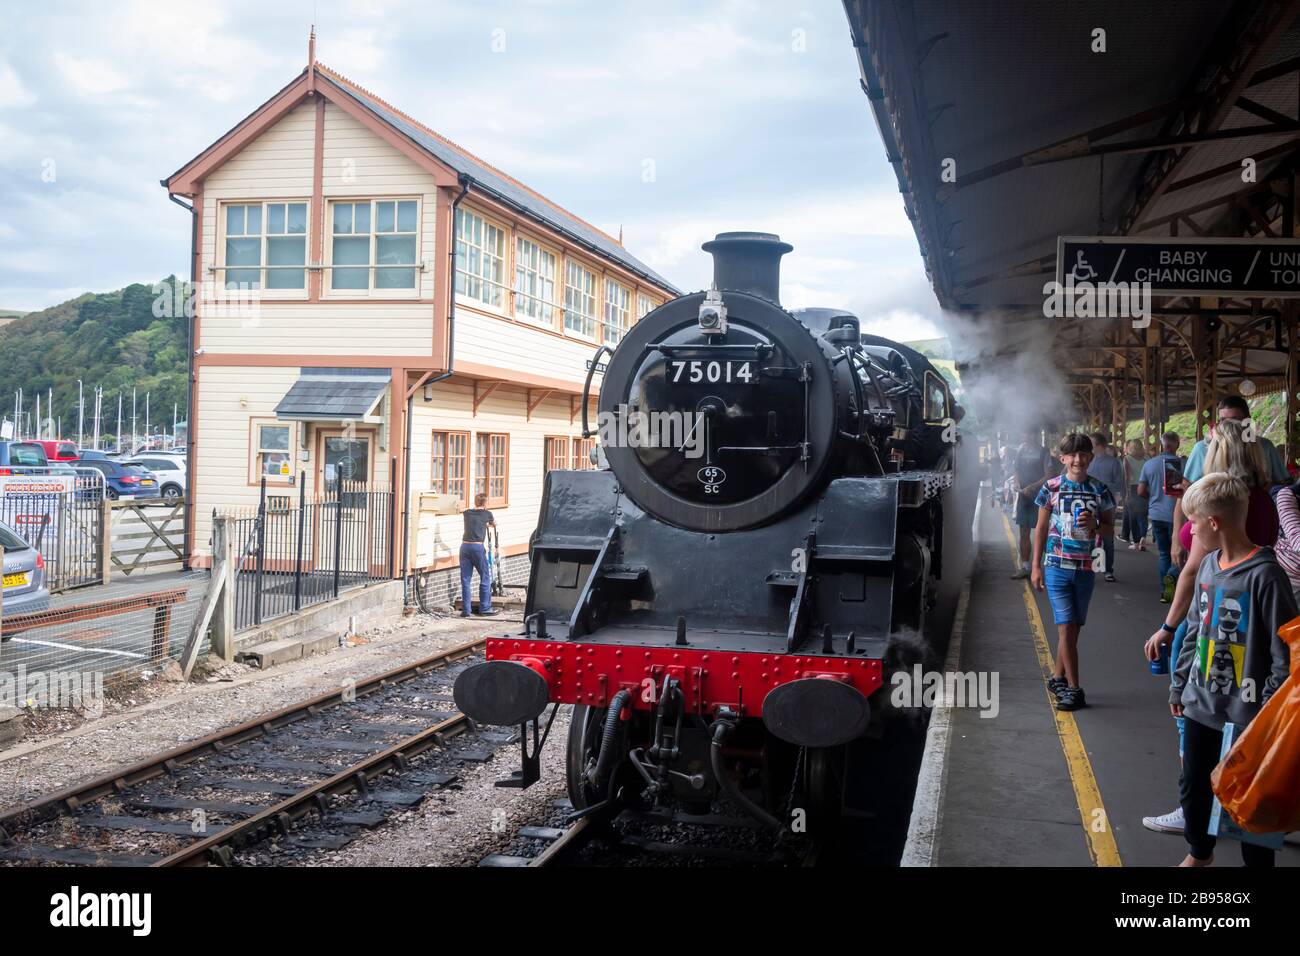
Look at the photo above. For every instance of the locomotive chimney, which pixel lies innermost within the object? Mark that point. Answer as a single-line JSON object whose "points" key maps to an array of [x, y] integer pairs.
{"points": [[748, 262]]}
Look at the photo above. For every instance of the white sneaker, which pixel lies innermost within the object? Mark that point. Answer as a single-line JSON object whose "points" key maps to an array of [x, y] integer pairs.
{"points": [[1171, 822]]}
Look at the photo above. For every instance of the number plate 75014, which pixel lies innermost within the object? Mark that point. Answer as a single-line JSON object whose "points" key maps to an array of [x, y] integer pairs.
{"points": [[697, 370]]}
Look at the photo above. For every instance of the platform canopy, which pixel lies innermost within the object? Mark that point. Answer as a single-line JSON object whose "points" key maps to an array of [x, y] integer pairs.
{"points": [[1012, 123]]}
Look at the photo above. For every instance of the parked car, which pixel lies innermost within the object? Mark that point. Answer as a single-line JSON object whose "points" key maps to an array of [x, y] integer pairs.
{"points": [[58, 449], [124, 481], [23, 458], [90, 454], [168, 469], [24, 575]]}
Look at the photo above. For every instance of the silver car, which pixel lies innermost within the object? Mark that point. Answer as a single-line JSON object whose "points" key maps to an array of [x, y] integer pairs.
{"points": [[24, 576]]}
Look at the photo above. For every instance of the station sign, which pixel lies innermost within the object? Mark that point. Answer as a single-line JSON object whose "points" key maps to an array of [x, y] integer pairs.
{"points": [[33, 505], [1193, 266], [601, 367]]}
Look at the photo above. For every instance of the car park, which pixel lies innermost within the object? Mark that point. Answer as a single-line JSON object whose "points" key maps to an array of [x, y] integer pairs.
{"points": [[123, 481], [25, 590], [58, 449], [23, 458], [168, 469]]}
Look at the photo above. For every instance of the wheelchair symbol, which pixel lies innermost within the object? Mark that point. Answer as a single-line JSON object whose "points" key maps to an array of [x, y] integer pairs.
{"points": [[1082, 270]]}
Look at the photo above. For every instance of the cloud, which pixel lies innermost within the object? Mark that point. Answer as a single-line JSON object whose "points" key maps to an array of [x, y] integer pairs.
{"points": [[90, 77], [13, 94], [673, 121]]}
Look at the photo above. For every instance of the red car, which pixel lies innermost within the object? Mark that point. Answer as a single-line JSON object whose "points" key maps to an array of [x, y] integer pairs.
{"points": [[59, 449]]}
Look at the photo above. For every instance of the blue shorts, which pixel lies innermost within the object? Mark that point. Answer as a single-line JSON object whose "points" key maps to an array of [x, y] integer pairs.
{"points": [[1070, 593], [1026, 512]]}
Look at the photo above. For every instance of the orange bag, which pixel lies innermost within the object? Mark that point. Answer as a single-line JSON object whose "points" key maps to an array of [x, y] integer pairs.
{"points": [[1258, 782]]}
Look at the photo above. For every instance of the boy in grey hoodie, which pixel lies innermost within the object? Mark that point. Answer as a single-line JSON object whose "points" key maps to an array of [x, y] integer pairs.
{"points": [[1232, 660]]}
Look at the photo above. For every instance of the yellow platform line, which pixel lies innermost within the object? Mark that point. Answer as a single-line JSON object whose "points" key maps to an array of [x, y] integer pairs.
{"points": [[1092, 813]]}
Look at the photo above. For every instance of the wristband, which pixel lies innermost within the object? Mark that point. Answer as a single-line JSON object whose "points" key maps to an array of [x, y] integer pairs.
{"points": [[1171, 630]]}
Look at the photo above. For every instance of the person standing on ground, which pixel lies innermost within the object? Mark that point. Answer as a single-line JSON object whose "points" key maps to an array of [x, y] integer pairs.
{"points": [[1109, 470], [473, 557], [1287, 547], [1232, 660], [1231, 408], [1135, 506], [1229, 453], [1075, 515], [1160, 506], [1031, 466]]}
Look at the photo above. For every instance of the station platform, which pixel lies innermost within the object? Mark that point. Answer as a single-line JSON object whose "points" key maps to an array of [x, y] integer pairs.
{"points": [[1034, 787]]}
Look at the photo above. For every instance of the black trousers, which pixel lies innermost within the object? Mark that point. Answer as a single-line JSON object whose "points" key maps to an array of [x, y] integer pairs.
{"points": [[1201, 747]]}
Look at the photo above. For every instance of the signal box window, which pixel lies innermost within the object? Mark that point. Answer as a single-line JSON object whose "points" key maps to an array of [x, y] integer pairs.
{"points": [[450, 465], [491, 468], [274, 451], [557, 454]]}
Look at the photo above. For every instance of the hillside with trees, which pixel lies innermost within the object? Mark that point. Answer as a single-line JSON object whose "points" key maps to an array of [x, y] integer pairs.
{"points": [[112, 340]]}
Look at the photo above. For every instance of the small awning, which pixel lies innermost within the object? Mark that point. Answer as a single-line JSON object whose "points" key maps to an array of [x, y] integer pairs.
{"points": [[335, 395]]}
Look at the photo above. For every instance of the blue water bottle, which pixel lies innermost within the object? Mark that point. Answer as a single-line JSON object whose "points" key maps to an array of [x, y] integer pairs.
{"points": [[1161, 664]]}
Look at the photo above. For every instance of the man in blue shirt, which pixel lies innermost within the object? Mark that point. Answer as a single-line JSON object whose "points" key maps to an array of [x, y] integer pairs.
{"points": [[1109, 470], [1235, 407], [1160, 507], [473, 557], [1231, 407]]}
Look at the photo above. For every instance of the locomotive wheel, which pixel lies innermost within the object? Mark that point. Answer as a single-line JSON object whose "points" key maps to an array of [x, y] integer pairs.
{"points": [[586, 725], [823, 781]]}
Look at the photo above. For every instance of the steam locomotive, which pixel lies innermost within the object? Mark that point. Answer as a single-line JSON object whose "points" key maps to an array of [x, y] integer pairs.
{"points": [[723, 601]]}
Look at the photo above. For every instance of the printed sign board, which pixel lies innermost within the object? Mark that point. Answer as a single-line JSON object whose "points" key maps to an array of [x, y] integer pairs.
{"points": [[1173, 266], [31, 505]]}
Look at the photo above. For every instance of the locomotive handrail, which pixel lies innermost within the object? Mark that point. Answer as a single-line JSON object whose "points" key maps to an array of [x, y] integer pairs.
{"points": [[866, 365], [761, 350], [847, 356], [586, 387]]}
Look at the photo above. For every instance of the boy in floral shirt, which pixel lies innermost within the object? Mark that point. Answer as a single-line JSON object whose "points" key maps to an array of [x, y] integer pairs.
{"points": [[1075, 515]]}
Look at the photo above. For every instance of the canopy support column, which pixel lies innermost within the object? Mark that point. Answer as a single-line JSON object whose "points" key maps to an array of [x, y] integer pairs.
{"points": [[1205, 362], [1150, 375]]}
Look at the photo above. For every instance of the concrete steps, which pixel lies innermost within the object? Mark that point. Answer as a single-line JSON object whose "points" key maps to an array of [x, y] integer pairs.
{"points": [[269, 653]]}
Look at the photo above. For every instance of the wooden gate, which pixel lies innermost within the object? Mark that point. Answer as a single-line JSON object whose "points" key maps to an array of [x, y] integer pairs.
{"points": [[146, 537]]}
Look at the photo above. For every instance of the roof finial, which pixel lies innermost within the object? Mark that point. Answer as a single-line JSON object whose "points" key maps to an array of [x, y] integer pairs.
{"points": [[620, 234], [311, 48]]}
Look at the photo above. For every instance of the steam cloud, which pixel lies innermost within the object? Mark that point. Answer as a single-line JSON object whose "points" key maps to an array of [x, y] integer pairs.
{"points": [[1012, 380]]}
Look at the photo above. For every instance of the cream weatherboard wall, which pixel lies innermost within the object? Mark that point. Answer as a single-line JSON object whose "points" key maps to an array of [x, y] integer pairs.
{"points": [[504, 410], [279, 165], [487, 339], [229, 398]]}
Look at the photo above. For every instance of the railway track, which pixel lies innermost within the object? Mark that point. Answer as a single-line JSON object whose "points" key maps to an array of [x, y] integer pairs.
{"points": [[312, 776], [641, 838]]}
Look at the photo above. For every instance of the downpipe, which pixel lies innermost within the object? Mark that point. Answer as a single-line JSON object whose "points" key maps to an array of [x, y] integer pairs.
{"points": [[451, 364]]}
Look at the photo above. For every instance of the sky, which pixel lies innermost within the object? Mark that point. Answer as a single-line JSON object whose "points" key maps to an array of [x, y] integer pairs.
{"points": [[671, 121]]}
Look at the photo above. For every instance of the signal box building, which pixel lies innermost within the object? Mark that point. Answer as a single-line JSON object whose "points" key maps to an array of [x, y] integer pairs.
{"points": [[369, 351]]}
